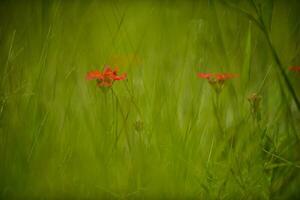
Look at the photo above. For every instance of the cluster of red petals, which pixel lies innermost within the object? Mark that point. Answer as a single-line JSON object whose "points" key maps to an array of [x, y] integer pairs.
{"points": [[295, 68], [218, 76], [105, 78]]}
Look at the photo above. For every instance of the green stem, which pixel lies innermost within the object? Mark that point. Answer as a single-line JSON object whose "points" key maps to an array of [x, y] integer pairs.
{"points": [[282, 71], [124, 119], [134, 102], [217, 111]]}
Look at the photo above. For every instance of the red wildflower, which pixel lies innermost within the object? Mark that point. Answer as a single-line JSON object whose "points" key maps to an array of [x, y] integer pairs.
{"points": [[217, 80], [105, 78], [295, 68], [217, 76]]}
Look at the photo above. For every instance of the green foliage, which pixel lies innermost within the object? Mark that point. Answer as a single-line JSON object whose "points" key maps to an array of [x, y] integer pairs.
{"points": [[163, 133]]}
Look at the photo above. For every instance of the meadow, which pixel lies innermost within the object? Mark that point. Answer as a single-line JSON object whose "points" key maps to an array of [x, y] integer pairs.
{"points": [[209, 108]]}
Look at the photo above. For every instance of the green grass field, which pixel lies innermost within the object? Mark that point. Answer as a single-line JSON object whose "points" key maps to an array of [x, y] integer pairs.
{"points": [[163, 133]]}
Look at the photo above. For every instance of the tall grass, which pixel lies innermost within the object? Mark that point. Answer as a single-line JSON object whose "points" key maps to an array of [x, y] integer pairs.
{"points": [[163, 133]]}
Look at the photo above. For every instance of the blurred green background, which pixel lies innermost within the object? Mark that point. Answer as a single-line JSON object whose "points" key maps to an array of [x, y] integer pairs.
{"points": [[163, 133]]}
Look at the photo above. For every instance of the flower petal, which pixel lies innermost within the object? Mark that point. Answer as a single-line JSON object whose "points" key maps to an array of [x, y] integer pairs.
{"points": [[295, 68], [116, 69], [225, 76], [94, 75], [107, 71], [220, 76], [204, 75], [119, 78]]}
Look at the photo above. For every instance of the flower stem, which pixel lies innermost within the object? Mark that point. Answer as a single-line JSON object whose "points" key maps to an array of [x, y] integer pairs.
{"points": [[124, 119], [217, 111], [134, 102]]}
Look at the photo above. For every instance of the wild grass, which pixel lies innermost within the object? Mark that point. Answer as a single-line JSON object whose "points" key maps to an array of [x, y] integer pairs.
{"points": [[163, 133]]}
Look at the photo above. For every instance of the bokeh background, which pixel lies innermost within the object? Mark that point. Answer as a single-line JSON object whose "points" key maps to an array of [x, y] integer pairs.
{"points": [[163, 133]]}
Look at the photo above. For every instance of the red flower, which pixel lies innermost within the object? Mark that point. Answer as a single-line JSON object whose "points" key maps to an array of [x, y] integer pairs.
{"points": [[295, 68], [105, 78], [217, 76], [217, 80]]}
